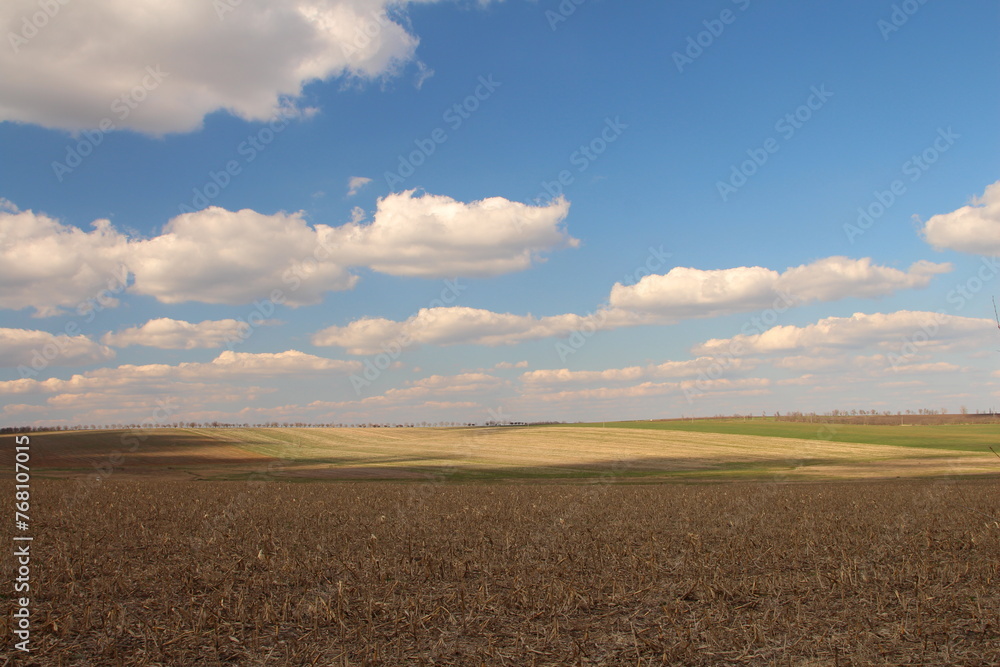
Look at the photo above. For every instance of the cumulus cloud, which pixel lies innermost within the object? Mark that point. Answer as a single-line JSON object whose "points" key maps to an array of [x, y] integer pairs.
{"points": [[691, 388], [807, 362], [687, 292], [657, 299], [506, 365], [974, 228], [19, 409], [233, 257], [169, 334], [436, 389], [933, 367], [450, 326], [220, 256], [34, 349], [228, 365], [50, 266], [885, 330], [355, 183], [460, 385], [365, 336], [667, 369], [835, 278], [290, 362], [88, 61], [433, 236]]}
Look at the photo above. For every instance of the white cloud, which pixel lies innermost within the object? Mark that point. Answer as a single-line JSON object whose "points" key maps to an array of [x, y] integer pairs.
{"points": [[169, 334], [39, 349], [365, 336], [250, 58], [418, 392], [378, 410], [695, 389], [130, 405], [50, 266], [802, 380], [884, 330], [423, 73], [228, 365], [667, 369], [973, 229], [434, 236], [506, 365], [457, 386], [835, 278], [934, 367], [23, 409], [290, 362], [355, 183], [806, 362], [232, 257], [658, 299], [687, 292], [449, 326]]}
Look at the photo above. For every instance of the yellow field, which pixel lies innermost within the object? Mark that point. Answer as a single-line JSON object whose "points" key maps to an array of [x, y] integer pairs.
{"points": [[484, 453]]}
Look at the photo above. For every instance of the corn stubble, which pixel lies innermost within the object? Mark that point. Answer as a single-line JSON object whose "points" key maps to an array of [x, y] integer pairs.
{"points": [[172, 573]]}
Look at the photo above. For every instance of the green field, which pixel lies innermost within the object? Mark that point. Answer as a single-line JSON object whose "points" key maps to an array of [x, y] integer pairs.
{"points": [[967, 437]]}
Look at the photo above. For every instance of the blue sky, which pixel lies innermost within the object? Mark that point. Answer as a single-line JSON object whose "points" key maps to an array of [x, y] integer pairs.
{"points": [[559, 211]]}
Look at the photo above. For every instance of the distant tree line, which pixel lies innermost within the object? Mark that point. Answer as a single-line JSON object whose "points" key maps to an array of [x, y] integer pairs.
{"points": [[837, 415], [270, 424]]}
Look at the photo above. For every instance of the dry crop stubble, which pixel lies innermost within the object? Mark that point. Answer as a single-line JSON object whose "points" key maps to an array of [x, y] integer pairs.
{"points": [[334, 574]]}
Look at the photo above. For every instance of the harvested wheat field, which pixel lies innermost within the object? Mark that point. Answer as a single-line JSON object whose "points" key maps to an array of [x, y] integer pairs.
{"points": [[540, 453], [378, 573]]}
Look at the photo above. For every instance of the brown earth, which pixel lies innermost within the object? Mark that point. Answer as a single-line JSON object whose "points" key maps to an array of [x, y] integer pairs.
{"points": [[227, 573]]}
